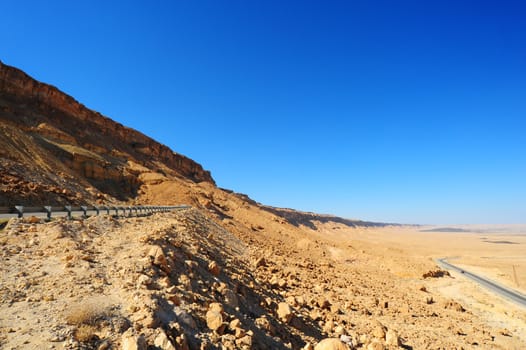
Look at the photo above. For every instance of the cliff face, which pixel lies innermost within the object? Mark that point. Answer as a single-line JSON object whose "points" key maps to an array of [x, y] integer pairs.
{"points": [[45, 131]]}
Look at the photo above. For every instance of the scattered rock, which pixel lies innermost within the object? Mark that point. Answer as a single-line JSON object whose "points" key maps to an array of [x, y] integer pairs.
{"points": [[284, 312], [214, 318], [328, 327], [264, 324], [378, 331], [435, 274], [391, 338], [323, 303], [453, 305], [308, 346], [158, 258], [375, 345], [185, 319], [331, 344], [235, 323], [347, 339], [244, 342], [260, 262], [162, 342], [130, 341], [214, 269]]}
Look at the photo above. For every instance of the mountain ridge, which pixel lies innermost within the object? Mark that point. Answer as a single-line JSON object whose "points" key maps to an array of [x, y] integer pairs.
{"points": [[99, 148], [57, 151]]}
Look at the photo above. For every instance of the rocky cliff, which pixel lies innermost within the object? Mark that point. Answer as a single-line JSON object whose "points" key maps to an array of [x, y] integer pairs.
{"points": [[44, 133]]}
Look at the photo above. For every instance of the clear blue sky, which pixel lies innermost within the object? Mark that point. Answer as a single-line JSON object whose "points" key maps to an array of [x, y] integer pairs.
{"points": [[399, 111]]}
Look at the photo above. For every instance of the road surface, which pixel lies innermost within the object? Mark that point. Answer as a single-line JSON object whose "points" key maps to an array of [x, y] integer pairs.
{"points": [[507, 293]]}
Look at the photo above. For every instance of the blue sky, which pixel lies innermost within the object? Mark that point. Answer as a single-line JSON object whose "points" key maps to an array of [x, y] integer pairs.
{"points": [[399, 111]]}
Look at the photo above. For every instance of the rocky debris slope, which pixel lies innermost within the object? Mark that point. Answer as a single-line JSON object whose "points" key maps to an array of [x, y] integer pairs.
{"points": [[182, 281]]}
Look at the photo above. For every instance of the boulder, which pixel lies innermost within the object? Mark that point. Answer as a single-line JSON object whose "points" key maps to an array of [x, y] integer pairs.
{"points": [[214, 269], [453, 305], [260, 262], [379, 331], [308, 346], [158, 258], [130, 341], [214, 320], [284, 312], [391, 338], [331, 344], [328, 327], [375, 345], [162, 342], [185, 319], [323, 303]]}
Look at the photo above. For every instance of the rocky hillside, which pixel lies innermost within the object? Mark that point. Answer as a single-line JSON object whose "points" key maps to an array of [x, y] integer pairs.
{"points": [[181, 281], [229, 273], [56, 150]]}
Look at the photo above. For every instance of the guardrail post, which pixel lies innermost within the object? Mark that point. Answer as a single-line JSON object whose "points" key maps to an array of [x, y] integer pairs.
{"points": [[97, 211], [20, 210], [68, 209], [85, 210], [48, 211], [107, 210]]}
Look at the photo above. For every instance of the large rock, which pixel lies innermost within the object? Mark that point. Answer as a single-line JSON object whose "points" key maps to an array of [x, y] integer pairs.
{"points": [[214, 268], [185, 319], [284, 312], [214, 317], [379, 330], [162, 342], [391, 338], [331, 344], [130, 341], [158, 258]]}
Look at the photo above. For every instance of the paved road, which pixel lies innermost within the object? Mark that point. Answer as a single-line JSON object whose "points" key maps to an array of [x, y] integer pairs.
{"points": [[492, 286]]}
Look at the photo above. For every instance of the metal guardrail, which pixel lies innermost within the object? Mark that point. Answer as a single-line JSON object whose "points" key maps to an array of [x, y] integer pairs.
{"points": [[19, 210]]}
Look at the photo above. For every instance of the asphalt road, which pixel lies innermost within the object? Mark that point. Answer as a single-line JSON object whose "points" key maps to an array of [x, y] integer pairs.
{"points": [[507, 293]]}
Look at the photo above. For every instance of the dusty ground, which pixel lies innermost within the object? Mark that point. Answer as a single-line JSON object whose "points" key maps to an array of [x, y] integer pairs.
{"points": [[102, 283], [495, 252]]}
